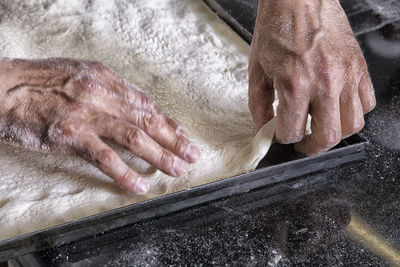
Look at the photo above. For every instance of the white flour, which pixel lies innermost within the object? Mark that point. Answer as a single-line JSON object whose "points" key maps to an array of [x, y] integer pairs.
{"points": [[177, 51]]}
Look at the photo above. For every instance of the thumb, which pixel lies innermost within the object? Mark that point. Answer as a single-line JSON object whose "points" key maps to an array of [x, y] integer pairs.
{"points": [[261, 96]]}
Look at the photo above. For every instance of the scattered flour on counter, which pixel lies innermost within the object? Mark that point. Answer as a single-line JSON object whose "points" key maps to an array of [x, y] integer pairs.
{"points": [[178, 52]]}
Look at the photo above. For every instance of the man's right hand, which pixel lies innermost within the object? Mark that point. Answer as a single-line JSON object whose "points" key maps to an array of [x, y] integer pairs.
{"points": [[69, 106], [306, 51]]}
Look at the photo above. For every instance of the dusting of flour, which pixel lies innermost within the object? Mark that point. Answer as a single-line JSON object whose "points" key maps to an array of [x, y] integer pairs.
{"points": [[177, 51]]}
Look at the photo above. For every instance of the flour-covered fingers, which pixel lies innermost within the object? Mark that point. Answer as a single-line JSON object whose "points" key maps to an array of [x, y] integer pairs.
{"points": [[292, 112], [174, 138], [261, 97], [351, 114], [162, 129], [367, 94], [140, 110], [141, 144], [108, 161], [325, 127], [136, 97]]}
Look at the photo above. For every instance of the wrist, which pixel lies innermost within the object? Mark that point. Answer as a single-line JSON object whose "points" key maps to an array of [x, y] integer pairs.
{"points": [[287, 17]]}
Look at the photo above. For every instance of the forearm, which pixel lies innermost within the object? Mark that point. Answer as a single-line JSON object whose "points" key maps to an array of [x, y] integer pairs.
{"points": [[295, 16], [294, 25]]}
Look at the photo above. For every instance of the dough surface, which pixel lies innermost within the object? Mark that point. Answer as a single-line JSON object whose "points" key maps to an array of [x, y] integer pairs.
{"points": [[179, 52]]}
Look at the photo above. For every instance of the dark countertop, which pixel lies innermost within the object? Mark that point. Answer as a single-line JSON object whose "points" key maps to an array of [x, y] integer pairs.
{"points": [[345, 216], [364, 15]]}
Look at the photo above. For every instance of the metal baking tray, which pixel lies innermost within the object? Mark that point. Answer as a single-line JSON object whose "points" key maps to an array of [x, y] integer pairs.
{"points": [[241, 30], [280, 164]]}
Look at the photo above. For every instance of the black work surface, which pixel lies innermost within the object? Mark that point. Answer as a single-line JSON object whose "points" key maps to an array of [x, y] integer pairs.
{"points": [[364, 15], [309, 220]]}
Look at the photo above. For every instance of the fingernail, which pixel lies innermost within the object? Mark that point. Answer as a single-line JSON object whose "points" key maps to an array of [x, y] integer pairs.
{"points": [[192, 153], [141, 187], [179, 168]]}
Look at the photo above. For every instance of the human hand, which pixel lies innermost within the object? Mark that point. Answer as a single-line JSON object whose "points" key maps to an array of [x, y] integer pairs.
{"points": [[69, 106], [306, 51]]}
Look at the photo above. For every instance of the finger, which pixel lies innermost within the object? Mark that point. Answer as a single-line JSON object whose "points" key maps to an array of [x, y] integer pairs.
{"points": [[142, 145], [108, 161], [325, 126], [351, 114], [292, 111], [147, 116], [168, 134], [261, 97], [367, 94]]}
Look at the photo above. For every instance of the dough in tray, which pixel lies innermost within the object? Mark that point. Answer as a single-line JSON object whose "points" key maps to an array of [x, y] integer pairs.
{"points": [[179, 52]]}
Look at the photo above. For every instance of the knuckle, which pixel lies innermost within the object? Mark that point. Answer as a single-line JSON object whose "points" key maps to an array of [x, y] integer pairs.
{"points": [[125, 178], [64, 129], [56, 130], [106, 158], [150, 123], [329, 84], [99, 67], [134, 137], [166, 160], [150, 103], [296, 83], [330, 77], [147, 102], [298, 80], [181, 145], [86, 82], [171, 123]]}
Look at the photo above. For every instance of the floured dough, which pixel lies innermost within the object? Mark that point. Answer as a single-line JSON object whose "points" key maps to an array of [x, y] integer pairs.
{"points": [[178, 52]]}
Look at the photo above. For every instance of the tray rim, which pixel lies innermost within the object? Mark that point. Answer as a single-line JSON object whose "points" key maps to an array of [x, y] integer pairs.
{"points": [[58, 234]]}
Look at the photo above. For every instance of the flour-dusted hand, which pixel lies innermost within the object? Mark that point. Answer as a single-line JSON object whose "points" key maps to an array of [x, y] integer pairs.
{"points": [[71, 107], [306, 51]]}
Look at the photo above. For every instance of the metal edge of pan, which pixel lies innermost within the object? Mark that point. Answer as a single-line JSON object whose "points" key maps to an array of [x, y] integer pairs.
{"points": [[163, 205]]}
